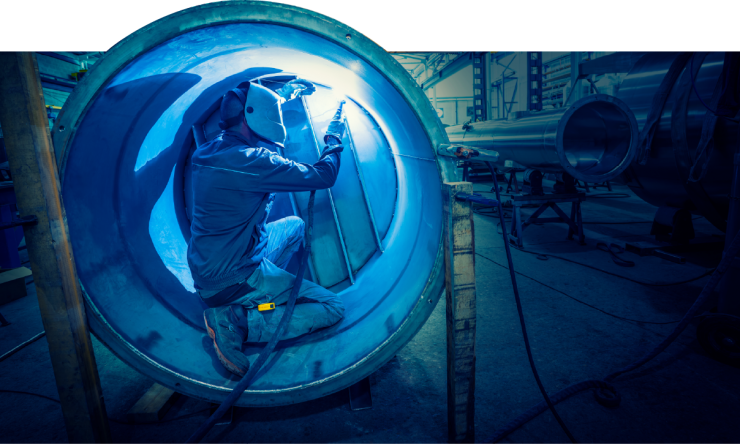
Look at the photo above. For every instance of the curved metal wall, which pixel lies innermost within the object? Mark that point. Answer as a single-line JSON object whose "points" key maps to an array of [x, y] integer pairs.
{"points": [[124, 138]]}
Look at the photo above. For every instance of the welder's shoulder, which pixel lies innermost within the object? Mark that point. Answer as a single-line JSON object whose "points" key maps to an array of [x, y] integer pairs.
{"points": [[217, 153]]}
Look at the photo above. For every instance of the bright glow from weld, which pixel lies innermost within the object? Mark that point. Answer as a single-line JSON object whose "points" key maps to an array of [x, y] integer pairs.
{"points": [[343, 82]]}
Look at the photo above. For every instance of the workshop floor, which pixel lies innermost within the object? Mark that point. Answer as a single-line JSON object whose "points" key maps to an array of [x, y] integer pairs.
{"points": [[681, 396]]}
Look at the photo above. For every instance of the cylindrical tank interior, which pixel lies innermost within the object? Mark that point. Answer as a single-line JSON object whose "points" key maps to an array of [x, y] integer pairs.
{"points": [[593, 140], [663, 179], [124, 139]]}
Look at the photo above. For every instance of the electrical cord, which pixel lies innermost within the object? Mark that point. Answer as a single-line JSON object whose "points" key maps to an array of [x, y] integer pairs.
{"points": [[548, 401], [580, 301], [606, 394], [609, 248], [117, 421], [22, 345], [649, 284], [242, 385]]}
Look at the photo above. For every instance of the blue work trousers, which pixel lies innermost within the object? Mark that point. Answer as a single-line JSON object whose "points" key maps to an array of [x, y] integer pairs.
{"points": [[316, 307]]}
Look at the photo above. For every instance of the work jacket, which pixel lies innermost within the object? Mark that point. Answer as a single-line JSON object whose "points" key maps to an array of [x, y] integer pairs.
{"points": [[233, 190]]}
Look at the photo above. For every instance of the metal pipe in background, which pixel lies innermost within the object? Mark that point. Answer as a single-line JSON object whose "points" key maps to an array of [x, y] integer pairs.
{"points": [[593, 140], [33, 166]]}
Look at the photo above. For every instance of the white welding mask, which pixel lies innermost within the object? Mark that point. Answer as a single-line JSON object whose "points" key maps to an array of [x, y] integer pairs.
{"points": [[263, 114]]}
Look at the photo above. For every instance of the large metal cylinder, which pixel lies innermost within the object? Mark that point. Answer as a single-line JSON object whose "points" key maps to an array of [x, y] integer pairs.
{"points": [[663, 180], [593, 140], [124, 139]]}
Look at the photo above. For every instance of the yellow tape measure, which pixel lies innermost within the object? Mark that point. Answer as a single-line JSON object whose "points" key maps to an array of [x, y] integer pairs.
{"points": [[266, 307]]}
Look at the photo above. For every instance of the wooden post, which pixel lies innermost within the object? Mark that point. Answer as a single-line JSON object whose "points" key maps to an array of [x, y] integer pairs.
{"points": [[460, 285], [155, 403], [33, 166]]}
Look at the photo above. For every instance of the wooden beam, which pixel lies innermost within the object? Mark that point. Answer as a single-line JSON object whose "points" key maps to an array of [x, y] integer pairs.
{"points": [[461, 312], [155, 403], [34, 170], [13, 284]]}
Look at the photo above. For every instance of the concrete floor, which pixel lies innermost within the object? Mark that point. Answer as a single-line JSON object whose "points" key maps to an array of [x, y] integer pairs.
{"points": [[681, 396]]}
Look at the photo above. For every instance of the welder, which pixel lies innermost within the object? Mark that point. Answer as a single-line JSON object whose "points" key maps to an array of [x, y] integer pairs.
{"points": [[237, 260]]}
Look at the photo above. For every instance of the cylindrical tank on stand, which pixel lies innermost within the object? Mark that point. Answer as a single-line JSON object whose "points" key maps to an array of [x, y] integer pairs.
{"points": [[124, 139], [593, 140]]}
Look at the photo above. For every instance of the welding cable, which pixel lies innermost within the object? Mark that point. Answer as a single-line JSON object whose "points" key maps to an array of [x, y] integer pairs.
{"points": [[117, 421], [242, 385], [18, 348], [647, 284], [614, 254], [605, 392], [548, 402], [583, 302]]}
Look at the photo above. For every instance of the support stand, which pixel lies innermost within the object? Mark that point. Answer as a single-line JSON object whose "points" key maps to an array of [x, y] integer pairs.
{"points": [[34, 170], [512, 184], [459, 248], [574, 222], [360, 395], [155, 403]]}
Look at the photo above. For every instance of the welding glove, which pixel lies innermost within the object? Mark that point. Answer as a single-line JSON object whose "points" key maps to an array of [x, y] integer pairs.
{"points": [[296, 88], [336, 129]]}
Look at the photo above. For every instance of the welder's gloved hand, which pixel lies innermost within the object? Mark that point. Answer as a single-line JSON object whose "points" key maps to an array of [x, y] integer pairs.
{"points": [[337, 127], [331, 149], [296, 88]]}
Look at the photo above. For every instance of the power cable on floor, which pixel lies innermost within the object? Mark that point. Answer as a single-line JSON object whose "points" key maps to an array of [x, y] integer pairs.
{"points": [[578, 300], [649, 284], [606, 394], [117, 421], [536, 375], [22, 345]]}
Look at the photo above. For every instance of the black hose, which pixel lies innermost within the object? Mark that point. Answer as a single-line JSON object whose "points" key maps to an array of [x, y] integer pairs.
{"points": [[583, 302], [265, 353], [521, 314], [22, 345], [606, 394], [647, 284]]}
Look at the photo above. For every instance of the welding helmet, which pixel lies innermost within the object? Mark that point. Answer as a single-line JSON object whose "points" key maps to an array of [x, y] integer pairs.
{"points": [[261, 110], [263, 113]]}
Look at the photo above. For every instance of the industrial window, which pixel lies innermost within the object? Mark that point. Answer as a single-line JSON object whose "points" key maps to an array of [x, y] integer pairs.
{"points": [[478, 102], [477, 71], [477, 92], [477, 81]]}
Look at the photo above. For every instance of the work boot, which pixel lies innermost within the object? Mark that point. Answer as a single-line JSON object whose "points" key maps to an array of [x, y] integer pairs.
{"points": [[227, 326]]}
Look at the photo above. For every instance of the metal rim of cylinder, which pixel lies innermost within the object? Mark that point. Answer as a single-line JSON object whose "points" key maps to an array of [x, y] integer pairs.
{"points": [[220, 13], [631, 149]]}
